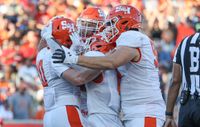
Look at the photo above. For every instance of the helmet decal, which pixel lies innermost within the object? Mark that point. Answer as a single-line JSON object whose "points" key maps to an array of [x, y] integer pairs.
{"points": [[126, 10], [69, 26]]}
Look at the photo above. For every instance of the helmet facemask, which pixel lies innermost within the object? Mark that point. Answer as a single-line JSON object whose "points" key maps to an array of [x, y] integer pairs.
{"points": [[87, 27], [116, 25], [111, 30]]}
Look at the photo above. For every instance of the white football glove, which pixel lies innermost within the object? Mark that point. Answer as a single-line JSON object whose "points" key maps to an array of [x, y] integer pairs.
{"points": [[77, 44], [76, 40], [46, 32], [65, 55]]}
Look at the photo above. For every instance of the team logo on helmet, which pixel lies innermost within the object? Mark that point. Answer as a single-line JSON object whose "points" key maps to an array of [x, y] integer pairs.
{"points": [[69, 26], [126, 10]]}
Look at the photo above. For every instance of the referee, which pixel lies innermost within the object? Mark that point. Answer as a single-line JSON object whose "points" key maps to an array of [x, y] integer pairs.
{"points": [[186, 71]]}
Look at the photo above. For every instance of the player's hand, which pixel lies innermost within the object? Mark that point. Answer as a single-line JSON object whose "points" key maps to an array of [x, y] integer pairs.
{"points": [[46, 32], [64, 55], [77, 44], [76, 40], [170, 123]]}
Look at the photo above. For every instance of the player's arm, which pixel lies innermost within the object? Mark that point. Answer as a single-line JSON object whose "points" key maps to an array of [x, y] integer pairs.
{"points": [[126, 50], [120, 56], [75, 75], [81, 76], [172, 95], [174, 87]]}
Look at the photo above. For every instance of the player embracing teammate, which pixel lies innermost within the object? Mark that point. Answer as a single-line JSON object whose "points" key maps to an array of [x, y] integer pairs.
{"points": [[120, 46]]}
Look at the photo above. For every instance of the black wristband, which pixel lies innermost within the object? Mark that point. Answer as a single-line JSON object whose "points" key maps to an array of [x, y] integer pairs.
{"points": [[169, 113]]}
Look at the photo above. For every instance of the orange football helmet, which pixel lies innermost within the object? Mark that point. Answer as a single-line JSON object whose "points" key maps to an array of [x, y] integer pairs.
{"points": [[90, 21], [99, 44], [120, 19], [61, 29]]}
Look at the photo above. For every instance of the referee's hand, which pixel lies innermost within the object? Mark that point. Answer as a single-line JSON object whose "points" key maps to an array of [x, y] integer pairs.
{"points": [[170, 123]]}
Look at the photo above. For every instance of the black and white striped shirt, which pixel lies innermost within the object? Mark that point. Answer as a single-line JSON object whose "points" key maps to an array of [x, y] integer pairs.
{"points": [[188, 56]]}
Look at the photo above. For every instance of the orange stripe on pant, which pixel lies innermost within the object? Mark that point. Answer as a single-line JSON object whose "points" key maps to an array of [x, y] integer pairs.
{"points": [[150, 122], [73, 117]]}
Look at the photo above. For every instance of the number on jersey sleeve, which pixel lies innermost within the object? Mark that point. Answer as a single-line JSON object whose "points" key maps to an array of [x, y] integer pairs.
{"points": [[156, 63], [41, 73]]}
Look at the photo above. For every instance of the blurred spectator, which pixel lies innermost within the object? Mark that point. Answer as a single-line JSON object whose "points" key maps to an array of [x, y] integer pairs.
{"points": [[21, 102], [5, 112], [184, 29], [166, 46], [172, 27], [1, 122], [4, 88], [164, 74], [156, 31], [8, 57], [27, 71], [28, 48], [195, 19]]}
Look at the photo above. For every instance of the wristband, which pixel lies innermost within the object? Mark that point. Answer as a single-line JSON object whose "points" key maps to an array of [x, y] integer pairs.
{"points": [[74, 60], [169, 113]]}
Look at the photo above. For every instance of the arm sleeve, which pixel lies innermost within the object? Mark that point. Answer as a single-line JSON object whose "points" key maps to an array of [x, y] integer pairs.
{"points": [[59, 68], [132, 39]]}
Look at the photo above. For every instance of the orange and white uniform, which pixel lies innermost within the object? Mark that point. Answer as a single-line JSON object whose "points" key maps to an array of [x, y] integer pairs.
{"points": [[103, 100], [141, 99], [61, 98]]}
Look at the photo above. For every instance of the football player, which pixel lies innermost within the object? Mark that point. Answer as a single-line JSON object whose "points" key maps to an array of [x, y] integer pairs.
{"points": [[103, 100], [135, 56], [102, 111], [60, 81], [89, 23], [103, 97]]}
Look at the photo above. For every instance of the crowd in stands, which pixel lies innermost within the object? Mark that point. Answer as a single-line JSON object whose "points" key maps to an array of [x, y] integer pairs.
{"points": [[165, 21]]}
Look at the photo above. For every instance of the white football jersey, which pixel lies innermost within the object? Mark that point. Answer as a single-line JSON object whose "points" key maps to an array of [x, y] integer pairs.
{"points": [[102, 93], [140, 86], [57, 91]]}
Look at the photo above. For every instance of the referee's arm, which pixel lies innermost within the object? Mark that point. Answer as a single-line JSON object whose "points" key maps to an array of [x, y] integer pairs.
{"points": [[173, 92]]}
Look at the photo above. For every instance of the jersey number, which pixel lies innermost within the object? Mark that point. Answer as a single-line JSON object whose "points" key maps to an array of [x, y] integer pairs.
{"points": [[194, 55], [194, 59], [156, 63], [69, 26], [41, 73]]}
